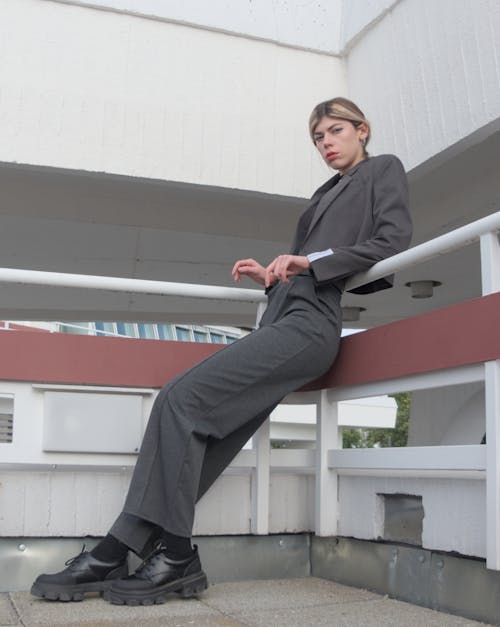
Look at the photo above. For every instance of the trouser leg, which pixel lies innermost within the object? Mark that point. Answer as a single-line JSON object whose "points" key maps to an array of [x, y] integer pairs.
{"points": [[140, 534], [201, 420]]}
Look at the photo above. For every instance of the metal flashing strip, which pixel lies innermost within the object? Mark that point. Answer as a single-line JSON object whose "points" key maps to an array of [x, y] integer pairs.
{"points": [[449, 583]]}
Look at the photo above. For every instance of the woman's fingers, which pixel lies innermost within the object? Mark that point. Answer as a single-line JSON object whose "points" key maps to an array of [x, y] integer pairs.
{"points": [[284, 266], [277, 269], [249, 268], [242, 266]]}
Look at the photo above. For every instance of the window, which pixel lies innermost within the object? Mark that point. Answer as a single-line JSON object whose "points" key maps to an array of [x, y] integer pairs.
{"points": [[165, 332], [126, 328], [200, 336], [216, 338], [78, 328], [146, 331], [183, 334], [104, 328], [6, 418]]}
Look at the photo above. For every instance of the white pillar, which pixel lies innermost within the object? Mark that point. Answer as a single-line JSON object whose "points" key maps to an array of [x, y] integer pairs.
{"points": [[490, 263], [492, 397], [261, 308], [260, 480], [490, 275], [327, 438]]}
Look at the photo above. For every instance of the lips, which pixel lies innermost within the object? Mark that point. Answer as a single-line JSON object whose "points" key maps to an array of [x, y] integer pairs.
{"points": [[332, 155]]}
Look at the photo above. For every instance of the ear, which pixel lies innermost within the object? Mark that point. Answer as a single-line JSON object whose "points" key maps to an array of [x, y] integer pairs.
{"points": [[363, 131]]}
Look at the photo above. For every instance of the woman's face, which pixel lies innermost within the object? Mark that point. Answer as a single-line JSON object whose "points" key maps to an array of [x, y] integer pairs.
{"points": [[339, 142]]}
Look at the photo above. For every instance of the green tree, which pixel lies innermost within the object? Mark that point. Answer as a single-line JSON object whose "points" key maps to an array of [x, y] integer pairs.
{"points": [[369, 438]]}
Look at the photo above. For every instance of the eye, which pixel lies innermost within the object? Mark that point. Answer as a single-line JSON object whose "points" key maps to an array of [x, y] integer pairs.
{"points": [[338, 129], [318, 138]]}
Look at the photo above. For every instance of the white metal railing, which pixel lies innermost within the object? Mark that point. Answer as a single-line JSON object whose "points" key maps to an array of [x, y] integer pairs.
{"points": [[483, 228], [330, 460]]}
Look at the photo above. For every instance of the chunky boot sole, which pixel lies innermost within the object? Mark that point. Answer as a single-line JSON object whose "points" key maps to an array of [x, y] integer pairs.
{"points": [[75, 592], [185, 586]]}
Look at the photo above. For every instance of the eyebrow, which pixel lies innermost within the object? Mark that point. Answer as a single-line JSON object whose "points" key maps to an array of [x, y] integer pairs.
{"points": [[319, 133]]}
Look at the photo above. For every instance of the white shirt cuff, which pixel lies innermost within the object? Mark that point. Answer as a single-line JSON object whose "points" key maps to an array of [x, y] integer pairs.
{"points": [[322, 253]]}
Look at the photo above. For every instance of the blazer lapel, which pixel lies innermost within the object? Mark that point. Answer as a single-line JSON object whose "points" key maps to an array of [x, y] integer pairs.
{"points": [[332, 193], [327, 200]]}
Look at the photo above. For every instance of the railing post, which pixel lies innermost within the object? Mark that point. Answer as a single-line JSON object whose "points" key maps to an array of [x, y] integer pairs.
{"points": [[261, 307], [490, 263], [327, 437], [261, 442], [492, 398], [490, 276], [260, 480]]}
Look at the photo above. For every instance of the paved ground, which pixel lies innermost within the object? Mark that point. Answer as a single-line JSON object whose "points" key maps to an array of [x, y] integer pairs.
{"points": [[265, 603]]}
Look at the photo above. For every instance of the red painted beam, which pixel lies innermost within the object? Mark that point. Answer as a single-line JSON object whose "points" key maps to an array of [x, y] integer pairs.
{"points": [[88, 360], [458, 335]]}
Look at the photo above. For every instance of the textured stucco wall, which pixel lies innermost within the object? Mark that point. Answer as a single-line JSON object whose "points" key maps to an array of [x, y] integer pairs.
{"points": [[312, 25], [454, 510], [427, 75], [103, 91]]}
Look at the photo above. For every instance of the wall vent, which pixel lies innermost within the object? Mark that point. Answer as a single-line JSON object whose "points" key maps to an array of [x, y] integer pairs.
{"points": [[6, 428], [403, 518]]}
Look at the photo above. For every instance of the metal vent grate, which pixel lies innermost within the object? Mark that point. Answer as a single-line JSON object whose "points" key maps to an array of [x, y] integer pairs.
{"points": [[6, 427]]}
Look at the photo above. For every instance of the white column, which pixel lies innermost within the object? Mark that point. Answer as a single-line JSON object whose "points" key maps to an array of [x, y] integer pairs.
{"points": [[490, 275], [261, 308], [492, 394], [260, 480], [327, 438], [490, 263]]}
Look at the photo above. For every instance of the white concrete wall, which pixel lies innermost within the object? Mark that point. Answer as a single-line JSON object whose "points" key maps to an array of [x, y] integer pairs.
{"points": [[313, 25], [358, 16], [454, 510], [448, 415], [110, 91], [103, 91], [427, 75]]}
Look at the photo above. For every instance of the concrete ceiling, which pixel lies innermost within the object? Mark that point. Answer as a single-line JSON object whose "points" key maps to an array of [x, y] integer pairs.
{"points": [[95, 223]]}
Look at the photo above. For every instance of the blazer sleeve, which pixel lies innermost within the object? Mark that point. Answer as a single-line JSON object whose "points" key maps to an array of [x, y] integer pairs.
{"points": [[391, 228]]}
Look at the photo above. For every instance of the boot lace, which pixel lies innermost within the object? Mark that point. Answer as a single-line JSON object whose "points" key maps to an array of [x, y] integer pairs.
{"points": [[73, 560]]}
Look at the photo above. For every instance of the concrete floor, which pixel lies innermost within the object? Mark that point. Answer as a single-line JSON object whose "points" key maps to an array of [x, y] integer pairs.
{"points": [[265, 603]]}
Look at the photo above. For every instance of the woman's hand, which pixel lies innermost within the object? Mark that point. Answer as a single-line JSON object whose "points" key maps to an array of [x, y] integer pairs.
{"points": [[249, 268], [284, 266]]}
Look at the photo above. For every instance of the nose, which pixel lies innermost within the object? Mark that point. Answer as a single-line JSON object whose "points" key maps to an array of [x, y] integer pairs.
{"points": [[327, 140]]}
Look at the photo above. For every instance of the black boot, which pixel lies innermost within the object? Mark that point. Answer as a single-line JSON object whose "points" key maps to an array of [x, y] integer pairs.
{"points": [[158, 576], [84, 573]]}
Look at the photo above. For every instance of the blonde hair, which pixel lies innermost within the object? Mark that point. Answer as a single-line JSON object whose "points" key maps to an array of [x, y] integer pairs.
{"points": [[341, 108]]}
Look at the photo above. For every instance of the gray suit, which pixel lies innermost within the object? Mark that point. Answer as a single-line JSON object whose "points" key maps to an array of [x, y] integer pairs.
{"points": [[202, 418]]}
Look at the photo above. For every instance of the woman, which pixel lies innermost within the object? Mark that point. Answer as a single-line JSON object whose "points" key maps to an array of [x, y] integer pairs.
{"points": [[202, 418]]}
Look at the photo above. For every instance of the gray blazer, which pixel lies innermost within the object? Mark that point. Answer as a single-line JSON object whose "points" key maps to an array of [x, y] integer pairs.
{"points": [[362, 217]]}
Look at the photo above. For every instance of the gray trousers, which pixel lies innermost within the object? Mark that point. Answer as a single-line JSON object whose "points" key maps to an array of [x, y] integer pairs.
{"points": [[202, 418]]}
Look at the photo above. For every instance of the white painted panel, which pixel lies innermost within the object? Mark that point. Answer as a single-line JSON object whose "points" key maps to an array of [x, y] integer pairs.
{"points": [[36, 503], [291, 507], [62, 510], [27, 444], [468, 457], [225, 508], [92, 423], [12, 505]]}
